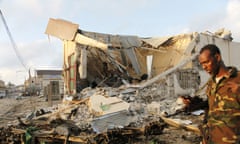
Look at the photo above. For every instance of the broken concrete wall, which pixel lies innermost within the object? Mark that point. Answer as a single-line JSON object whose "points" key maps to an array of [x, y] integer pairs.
{"points": [[118, 63], [172, 52]]}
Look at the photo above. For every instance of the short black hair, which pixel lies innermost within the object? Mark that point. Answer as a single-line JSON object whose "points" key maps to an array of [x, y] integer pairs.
{"points": [[212, 48]]}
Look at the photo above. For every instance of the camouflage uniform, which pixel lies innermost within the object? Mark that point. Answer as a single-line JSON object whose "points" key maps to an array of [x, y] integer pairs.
{"points": [[223, 121]]}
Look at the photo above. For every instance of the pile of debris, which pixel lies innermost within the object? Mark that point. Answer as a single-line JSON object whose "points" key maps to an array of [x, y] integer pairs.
{"points": [[103, 115]]}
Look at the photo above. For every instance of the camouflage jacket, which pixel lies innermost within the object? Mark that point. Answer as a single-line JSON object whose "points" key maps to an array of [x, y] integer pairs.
{"points": [[223, 122]]}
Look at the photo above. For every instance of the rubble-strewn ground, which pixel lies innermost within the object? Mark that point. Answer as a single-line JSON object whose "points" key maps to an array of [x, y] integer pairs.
{"points": [[11, 108]]}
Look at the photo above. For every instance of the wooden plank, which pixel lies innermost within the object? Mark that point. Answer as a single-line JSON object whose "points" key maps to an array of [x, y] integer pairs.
{"points": [[73, 105], [69, 139], [176, 124]]}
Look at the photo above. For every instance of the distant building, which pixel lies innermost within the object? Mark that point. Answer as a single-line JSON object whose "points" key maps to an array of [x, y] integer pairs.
{"points": [[45, 77]]}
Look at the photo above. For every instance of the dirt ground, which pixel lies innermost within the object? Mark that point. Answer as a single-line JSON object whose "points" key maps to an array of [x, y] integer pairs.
{"points": [[10, 109]]}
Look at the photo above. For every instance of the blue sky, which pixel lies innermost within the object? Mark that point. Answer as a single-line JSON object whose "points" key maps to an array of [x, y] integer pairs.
{"points": [[27, 21]]}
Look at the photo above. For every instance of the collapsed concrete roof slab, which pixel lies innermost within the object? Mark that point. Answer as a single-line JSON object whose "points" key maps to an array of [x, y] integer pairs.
{"points": [[114, 41], [62, 29]]}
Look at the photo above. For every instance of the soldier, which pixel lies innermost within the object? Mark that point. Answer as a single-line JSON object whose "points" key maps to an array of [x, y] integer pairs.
{"points": [[223, 91]]}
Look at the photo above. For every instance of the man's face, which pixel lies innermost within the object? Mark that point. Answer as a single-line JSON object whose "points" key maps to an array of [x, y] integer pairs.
{"points": [[209, 63]]}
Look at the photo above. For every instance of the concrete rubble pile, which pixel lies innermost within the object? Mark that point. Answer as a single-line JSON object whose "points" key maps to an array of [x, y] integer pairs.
{"points": [[99, 115]]}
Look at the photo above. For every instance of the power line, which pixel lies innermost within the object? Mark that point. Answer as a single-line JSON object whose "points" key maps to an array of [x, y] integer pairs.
{"points": [[12, 41]]}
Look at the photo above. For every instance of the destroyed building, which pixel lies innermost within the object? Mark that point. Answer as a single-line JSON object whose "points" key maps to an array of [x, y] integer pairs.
{"points": [[119, 88], [98, 59]]}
